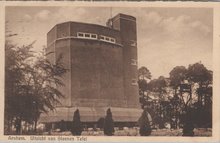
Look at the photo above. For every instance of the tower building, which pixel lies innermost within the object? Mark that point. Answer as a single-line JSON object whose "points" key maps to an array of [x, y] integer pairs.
{"points": [[102, 63]]}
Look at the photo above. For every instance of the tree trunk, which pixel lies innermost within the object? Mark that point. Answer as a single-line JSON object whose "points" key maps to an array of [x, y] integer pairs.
{"points": [[35, 126], [200, 95], [20, 128], [175, 92]]}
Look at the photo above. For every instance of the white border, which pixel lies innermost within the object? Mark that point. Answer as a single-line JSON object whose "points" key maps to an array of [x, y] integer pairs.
{"points": [[216, 64]]}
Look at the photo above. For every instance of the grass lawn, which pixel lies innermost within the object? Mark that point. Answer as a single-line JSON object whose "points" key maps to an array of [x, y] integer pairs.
{"points": [[135, 132]]}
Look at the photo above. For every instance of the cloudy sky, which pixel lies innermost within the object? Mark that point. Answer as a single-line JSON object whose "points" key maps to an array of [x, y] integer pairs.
{"points": [[167, 37]]}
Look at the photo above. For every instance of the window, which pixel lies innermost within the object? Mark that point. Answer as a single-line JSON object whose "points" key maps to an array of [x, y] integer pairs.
{"points": [[133, 82], [113, 40], [102, 38], [94, 36], [133, 43], [63, 35], [133, 62], [80, 34], [86, 35], [107, 39]]}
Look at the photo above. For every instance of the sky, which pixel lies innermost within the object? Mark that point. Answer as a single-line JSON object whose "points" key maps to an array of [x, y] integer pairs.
{"points": [[167, 37]]}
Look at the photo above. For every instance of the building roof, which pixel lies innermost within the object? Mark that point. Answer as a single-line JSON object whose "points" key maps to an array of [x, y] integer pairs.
{"points": [[92, 114], [84, 23]]}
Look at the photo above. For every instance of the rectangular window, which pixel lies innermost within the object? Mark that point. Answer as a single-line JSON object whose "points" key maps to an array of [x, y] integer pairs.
{"points": [[87, 35], [134, 82], [102, 38], [107, 39], [112, 40], [93, 36], [133, 43], [80, 34], [133, 62]]}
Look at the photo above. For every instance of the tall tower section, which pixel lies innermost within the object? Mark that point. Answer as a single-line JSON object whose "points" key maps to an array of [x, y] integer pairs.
{"points": [[126, 24], [102, 69]]}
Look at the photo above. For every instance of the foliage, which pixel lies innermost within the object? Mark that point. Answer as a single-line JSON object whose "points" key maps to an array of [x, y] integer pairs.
{"points": [[188, 119], [31, 84], [167, 101], [143, 75], [158, 85], [100, 123], [198, 73], [176, 109], [109, 124], [77, 125], [62, 126], [177, 75], [142, 85], [144, 124]]}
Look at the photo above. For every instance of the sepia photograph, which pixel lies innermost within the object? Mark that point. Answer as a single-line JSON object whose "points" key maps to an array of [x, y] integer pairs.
{"points": [[108, 71]]}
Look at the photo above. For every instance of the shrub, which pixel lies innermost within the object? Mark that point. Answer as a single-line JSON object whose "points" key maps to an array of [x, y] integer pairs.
{"points": [[109, 124], [77, 125], [62, 126], [145, 129], [100, 123]]}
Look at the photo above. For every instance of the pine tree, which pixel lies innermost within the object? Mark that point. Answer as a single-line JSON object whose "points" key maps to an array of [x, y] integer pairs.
{"points": [[109, 124], [100, 123], [77, 125]]}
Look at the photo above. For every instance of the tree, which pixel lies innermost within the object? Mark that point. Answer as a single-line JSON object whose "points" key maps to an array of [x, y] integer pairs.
{"points": [[176, 109], [100, 123], [193, 112], [188, 120], [177, 75], [16, 69], [144, 124], [46, 80], [143, 75], [109, 123], [31, 84], [158, 85], [159, 88], [199, 75], [77, 125]]}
